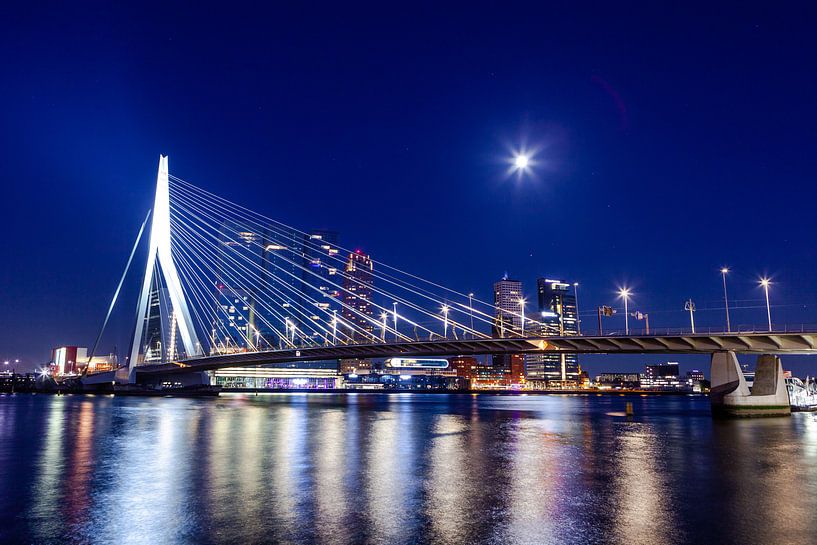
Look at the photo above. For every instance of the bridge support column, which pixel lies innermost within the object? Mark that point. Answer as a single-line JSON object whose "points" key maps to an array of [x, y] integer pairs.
{"points": [[730, 394]]}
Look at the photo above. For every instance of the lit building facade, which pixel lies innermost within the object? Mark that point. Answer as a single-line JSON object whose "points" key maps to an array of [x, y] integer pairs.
{"points": [[558, 316], [507, 318], [290, 292], [507, 308], [662, 376], [358, 309]]}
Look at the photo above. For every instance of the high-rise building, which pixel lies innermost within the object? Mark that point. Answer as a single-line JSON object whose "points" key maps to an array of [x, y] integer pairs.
{"points": [[273, 283], [557, 317], [507, 308], [358, 310], [319, 282]]}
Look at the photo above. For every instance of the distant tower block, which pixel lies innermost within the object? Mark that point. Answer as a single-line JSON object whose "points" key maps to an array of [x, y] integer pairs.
{"points": [[161, 259]]}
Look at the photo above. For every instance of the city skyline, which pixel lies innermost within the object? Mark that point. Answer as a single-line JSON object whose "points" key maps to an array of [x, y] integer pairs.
{"points": [[651, 184]]}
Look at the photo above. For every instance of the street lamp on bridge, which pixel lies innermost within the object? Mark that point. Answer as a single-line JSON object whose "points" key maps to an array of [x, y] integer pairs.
{"points": [[725, 270], [624, 293], [395, 322], [522, 315], [445, 321], [765, 283], [383, 316]]}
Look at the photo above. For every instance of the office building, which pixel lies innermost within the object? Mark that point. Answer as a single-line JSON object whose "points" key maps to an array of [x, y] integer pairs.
{"points": [[618, 381], [358, 309], [507, 308], [662, 376], [557, 316]]}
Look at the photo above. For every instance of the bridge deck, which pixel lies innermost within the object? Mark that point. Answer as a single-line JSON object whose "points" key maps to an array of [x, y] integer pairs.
{"points": [[747, 343]]}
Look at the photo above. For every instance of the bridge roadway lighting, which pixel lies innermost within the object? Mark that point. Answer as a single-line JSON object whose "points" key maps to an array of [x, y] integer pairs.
{"points": [[522, 314], [725, 270], [445, 321], [624, 293], [765, 283], [521, 161], [334, 327]]}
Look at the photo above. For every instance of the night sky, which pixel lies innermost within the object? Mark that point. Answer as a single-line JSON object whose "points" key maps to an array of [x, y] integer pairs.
{"points": [[667, 143]]}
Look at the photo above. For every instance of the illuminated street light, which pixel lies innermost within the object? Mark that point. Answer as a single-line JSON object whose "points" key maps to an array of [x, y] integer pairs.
{"points": [[725, 270], [765, 283], [444, 310], [395, 321], [522, 314], [624, 293], [334, 327], [521, 161], [383, 316]]}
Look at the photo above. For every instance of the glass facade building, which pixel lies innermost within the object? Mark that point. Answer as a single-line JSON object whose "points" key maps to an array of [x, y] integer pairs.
{"points": [[558, 316]]}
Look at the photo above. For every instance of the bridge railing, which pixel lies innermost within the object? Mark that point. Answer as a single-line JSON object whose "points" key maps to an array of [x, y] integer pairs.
{"points": [[633, 332], [735, 330]]}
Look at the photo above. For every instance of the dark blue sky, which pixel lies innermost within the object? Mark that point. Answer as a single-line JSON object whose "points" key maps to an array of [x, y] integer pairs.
{"points": [[670, 142]]}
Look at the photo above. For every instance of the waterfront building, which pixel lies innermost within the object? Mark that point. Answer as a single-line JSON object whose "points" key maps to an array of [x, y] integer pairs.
{"points": [[277, 377], [618, 381], [348, 366], [68, 360], [662, 376], [358, 309], [464, 366], [696, 380]]}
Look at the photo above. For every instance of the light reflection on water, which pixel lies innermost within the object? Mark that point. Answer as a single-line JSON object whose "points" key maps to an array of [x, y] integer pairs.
{"points": [[400, 469]]}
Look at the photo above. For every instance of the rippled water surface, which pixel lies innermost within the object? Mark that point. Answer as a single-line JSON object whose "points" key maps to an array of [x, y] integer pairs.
{"points": [[401, 468]]}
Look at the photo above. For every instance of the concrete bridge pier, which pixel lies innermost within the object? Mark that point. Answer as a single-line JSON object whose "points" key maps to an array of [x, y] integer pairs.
{"points": [[730, 395]]}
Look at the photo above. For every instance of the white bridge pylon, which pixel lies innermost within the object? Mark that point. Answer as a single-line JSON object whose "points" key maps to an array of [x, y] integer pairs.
{"points": [[159, 252]]}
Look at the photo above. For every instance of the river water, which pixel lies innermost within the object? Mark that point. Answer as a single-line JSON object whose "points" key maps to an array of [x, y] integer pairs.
{"points": [[401, 468]]}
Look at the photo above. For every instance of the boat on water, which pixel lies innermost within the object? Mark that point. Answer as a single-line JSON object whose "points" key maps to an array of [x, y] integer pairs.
{"points": [[802, 394]]}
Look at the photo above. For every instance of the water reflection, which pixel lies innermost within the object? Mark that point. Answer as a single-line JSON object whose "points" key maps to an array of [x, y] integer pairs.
{"points": [[400, 469]]}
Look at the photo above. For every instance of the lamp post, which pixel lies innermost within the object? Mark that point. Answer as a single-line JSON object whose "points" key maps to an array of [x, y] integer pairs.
{"points": [[334, 327], [445, 321], [576, 303], [765, 283], [522, 315], [384, 317], [725, 270], [624, 293]]}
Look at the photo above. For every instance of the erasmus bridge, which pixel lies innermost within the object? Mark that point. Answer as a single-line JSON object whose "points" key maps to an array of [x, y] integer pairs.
{"points": [[225, 286]]}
